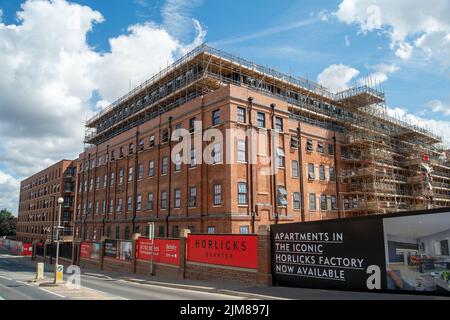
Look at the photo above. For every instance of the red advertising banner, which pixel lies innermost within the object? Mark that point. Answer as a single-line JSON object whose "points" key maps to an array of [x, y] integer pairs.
{"points": [[227, 250], [85, 250], [164, 250], [27, 249]]}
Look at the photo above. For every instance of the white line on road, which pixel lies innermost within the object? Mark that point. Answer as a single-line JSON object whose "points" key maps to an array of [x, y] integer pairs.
{"points": [[98, 275], [27, 284], [56, 294], [9, 279]]}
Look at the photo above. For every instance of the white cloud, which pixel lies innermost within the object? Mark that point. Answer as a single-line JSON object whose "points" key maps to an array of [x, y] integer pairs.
{"points": [[437, 106], [410, 24], [177, 17], [9, 191], [380, 74], [337, 77], [49, 75], [347, 41]]}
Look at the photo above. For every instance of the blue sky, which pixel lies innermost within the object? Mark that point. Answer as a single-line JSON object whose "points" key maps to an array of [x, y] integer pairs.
{"points": [[403, 44]]}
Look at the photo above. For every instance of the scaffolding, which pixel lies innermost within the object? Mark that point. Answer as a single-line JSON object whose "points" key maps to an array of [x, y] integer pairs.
{"points": [[382, 167]]}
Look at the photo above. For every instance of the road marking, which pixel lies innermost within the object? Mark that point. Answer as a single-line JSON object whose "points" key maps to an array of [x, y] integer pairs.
{"points": [[97, 275], [27, 284], [5, 278], [56, 294]]}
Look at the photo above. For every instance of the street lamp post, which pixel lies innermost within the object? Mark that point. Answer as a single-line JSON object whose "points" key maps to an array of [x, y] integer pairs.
{"points": [[58, 228]]}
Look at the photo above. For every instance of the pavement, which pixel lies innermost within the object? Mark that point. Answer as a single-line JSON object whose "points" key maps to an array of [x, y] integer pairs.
{"points": [[15, 272]]}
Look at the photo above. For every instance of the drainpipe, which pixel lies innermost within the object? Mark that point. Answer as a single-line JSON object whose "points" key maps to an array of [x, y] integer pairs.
{"points": [[170, 177], [336, 174], [300, 165], [250, 165], [135, 180], [108, 170], [273, 154]]}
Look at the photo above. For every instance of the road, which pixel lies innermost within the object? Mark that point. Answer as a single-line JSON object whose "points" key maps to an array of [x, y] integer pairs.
{"points": [[15, 272]]}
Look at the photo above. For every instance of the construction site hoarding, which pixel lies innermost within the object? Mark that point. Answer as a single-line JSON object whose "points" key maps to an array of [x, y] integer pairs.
{"points": [[393, 253]]}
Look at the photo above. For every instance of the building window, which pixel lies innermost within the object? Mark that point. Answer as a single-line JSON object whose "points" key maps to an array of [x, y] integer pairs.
{"points": [[130, 148], [108, 231], [192, 197], [150, 201], [177, 162], [112, 180], [217, 153], [163, 200], [104, 206], [111, 206], [322, 172], [152, 141], [331, 149], [332, 174], [216, 117], [294, 142], [282, 195], [295, 169], [120, 176], [117, 232], [296, 200], [119, 205], [105, 181], [191, 125], [261, 119], [334, 203], [96, 207], [309, 145], [312, 202], [323, 202], [177, 199], [193, 158], [242, 193], [241, 114], [244, 230], [217, 194], [165, 136], [211, 229], [112, 156], [320, 147], [164, 166], [278, 124], [311, 174], [151, 168], [280, 158], [161, 231], [127, 233], [141, 144], [121, 152], [141, 171], [130, 174], [129, 203], [241, 151], [139, 202], [175, 232], [91, 185]]}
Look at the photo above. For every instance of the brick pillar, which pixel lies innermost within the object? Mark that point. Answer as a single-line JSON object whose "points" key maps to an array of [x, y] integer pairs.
{"points": [[264, 276], [183, 252], [102, 253], [134, 254]]}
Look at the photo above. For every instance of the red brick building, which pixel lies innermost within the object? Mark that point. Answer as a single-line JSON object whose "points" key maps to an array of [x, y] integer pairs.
{"points": [[38, 206], [337, 155]]}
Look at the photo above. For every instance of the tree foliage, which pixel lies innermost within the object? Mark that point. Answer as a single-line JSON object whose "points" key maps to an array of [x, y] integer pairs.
{"points": [[8, 223]]}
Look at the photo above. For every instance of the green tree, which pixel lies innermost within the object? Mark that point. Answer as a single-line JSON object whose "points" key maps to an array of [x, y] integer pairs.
{"points": [[7, 223]]}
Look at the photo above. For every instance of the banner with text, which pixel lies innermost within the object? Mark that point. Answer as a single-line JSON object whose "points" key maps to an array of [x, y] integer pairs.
{"points": [[403, 252], [164, 250], [227, 250]]}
